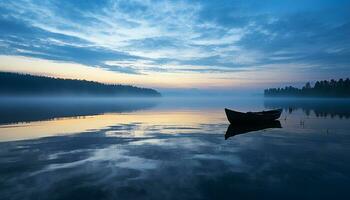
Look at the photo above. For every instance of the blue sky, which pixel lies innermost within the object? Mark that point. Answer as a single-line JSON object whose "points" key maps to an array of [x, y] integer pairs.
{"points": [[167, 43]]}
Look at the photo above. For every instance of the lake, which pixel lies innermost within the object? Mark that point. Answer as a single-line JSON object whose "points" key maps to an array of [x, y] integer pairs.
{"points": [[172, 148]]}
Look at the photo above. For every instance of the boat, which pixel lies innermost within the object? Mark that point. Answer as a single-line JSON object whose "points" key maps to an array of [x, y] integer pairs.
{"points": [[241, 128], [249, 117]]}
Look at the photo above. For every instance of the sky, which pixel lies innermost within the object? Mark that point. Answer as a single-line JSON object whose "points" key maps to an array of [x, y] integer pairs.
{"points": [[213, 45]]}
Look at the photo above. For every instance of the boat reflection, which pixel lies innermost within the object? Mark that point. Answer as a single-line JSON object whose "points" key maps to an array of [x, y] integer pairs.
{"points": [[237, 129]]}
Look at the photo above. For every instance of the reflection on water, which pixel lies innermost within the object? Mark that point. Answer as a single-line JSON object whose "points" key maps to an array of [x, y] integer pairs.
{"points": [[318, 107], [146, 122], [15, 110], [172, 151], [236, 129]]}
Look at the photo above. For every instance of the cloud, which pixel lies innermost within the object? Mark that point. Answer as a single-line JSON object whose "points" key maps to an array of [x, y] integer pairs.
{"points": [[20, 39], [142, 37]]}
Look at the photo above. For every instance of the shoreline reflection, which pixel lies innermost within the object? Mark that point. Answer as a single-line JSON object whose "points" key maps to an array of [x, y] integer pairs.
{"points": [[24, 110], [332, 108]]}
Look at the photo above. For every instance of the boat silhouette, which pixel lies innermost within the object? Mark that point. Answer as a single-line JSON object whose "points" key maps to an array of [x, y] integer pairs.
{"points": [[252, 117], [241, 128]]}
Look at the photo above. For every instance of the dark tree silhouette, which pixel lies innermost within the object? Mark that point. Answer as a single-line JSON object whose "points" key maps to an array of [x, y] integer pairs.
{"points": [[332, 88], [14, 84]]}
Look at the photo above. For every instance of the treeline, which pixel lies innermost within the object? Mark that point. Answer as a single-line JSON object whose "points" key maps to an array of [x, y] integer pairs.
{"points": [[14, 84], [332, 88]]}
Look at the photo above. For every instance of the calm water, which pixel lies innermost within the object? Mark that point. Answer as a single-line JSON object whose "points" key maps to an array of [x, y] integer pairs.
{"points": [[172, 149]]}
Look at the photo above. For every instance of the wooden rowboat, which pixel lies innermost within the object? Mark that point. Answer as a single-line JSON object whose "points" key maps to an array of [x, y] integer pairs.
{"points": [[252, 117]]}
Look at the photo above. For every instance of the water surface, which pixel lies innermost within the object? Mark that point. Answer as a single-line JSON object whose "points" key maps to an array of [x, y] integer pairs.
{"points": [[172, 149]]}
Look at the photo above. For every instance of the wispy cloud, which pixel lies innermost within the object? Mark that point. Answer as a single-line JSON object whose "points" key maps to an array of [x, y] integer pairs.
{"points": [[141, 37]]}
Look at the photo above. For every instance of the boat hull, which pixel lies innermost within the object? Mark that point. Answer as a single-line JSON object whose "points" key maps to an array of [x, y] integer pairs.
{"points": [[252, 117]]}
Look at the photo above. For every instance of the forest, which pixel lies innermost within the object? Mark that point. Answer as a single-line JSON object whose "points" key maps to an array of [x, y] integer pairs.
{"points": [[333, 88], [15, 84]]}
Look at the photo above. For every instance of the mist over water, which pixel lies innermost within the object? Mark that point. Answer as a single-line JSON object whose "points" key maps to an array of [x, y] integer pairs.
{"points": [[171, 148]]}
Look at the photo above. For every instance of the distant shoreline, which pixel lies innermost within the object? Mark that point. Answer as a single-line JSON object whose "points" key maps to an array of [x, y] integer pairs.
{"points": [[25, 85], [321, 89]]}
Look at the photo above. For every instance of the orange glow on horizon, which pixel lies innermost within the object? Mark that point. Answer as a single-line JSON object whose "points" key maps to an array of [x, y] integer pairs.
{"points": [[154, 79]]}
